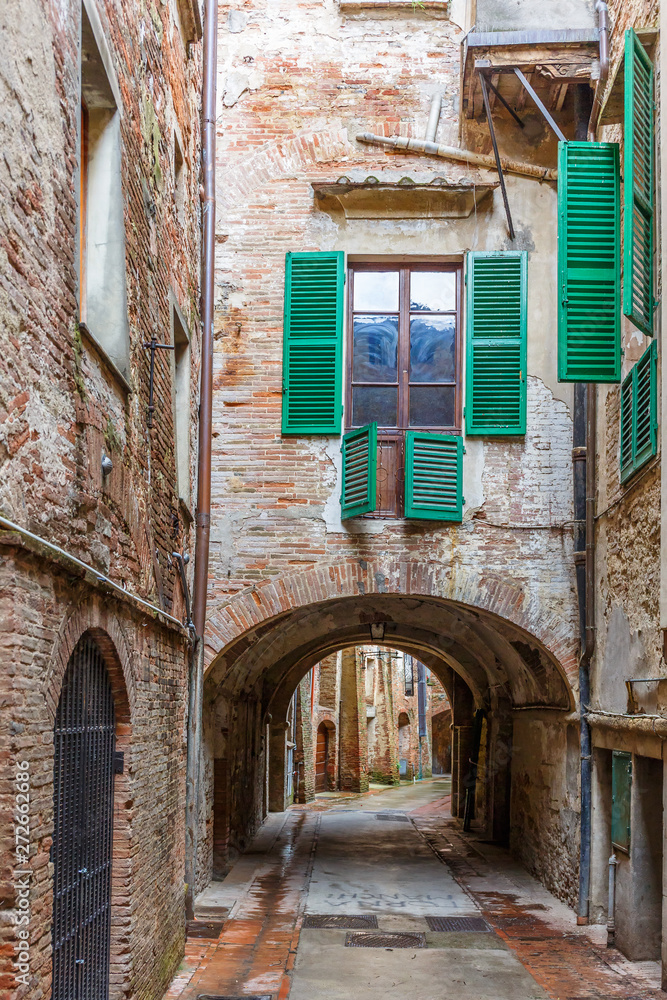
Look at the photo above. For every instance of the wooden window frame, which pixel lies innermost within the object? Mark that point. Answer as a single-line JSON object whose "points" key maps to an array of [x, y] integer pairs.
{"points": [[83, 209], [397, 435]]}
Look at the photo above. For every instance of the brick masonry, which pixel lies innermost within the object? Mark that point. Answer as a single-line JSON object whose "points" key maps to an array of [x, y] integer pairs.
{"points": [[61, 404]]}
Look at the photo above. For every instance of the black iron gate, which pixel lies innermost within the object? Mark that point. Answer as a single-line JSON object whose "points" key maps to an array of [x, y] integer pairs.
{"points": [[83, 778]]}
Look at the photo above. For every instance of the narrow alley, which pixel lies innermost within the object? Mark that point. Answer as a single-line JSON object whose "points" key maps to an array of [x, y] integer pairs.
{"points": [[368, 896]]}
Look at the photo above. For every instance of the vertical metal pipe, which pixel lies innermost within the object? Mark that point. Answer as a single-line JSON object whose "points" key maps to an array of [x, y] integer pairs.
{"points": [[203, 518], [600, 87], [433, 118], [611, 903]]}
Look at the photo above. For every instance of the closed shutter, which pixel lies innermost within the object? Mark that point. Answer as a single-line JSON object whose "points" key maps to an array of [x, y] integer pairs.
{"points": [[359, 450], [496, 343], [639, 413], [638, 186], [313, 343], [589, 322], [433, 476], [621, 799]]}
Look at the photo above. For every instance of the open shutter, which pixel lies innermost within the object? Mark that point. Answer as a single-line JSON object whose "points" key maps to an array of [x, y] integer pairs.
{"points": [[496, 343], [359, 450], [638, 186], [433, 476], [639, 413], [589, 322], [313, 343]]}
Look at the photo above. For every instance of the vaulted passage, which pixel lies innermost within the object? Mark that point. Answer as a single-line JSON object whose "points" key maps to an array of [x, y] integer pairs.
{"points": [[507, 740]]}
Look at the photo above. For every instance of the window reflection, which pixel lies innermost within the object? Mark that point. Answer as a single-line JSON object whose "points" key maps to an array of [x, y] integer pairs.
{"points": [[375, 349], [376, 291], [433, 291], [432, 348]]}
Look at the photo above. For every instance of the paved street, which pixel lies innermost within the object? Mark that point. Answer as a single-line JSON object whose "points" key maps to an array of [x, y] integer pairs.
{"points": [[393, 855]]}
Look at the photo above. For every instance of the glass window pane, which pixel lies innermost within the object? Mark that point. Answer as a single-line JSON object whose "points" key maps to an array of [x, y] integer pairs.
{"points": [[375, 291], [374, 403], [375, 349], [432, 406], [433, 291], [432, 349]]}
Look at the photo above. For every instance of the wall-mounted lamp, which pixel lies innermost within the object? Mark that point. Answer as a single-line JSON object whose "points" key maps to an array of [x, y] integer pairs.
{"points": [[107, 465]]}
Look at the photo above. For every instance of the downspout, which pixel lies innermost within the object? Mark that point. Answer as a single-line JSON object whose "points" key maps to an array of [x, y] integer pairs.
{"points": [[601, 85], [203, 517], [583, 907]]}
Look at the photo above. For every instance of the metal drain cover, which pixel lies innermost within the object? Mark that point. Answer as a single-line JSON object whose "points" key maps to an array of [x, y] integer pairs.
{"points": [[225, 996], [376, 939], [460, 924], [338, 920], [394, 817], [204, 928]]}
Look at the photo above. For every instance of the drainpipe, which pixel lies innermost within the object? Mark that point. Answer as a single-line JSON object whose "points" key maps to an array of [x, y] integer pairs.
{"points": [[585, 661], [600, 87], [203, 517], [589, 564], [611, 908], [433, 118]]}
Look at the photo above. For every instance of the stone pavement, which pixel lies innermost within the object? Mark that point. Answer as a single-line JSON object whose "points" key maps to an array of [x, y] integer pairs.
{"points": [[396, 856]]}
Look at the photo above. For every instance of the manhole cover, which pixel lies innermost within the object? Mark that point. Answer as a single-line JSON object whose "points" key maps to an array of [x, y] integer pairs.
{"points": [[225, 996], [457, 924], [204, 928], [371, 939], [394, 817], [338, 920]]}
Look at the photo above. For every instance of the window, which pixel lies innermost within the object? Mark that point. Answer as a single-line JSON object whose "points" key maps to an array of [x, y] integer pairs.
{"points": [[179, 180], [181, 405], [409, 677], [102, 292], [639, 414], [621, 797], [404, 360]]}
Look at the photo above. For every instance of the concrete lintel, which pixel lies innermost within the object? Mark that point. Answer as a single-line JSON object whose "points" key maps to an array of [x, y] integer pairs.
{"points": [[373, 199]]}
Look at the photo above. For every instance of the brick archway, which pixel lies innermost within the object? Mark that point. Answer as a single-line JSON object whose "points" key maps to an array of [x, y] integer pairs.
{"points": [[255, 609], [107, 631]]}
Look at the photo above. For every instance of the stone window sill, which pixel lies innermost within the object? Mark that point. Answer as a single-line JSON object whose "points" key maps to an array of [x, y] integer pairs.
{"points": [[110, 365], [408, 6]]}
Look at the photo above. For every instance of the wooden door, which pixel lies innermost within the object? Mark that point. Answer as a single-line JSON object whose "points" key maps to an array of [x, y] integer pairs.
{"points": [[321, 758]]}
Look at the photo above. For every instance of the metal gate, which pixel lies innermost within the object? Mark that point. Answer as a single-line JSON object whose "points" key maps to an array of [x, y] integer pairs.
{"points": [[83, 778]]}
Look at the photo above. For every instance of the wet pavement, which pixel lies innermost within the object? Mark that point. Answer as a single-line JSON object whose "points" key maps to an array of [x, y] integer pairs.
{"points": [[396, 858]]}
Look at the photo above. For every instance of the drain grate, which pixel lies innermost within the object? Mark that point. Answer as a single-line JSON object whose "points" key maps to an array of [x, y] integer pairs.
{"points": [[338, 920], [460, 924], [395, 817], [225, 996], [370, 939], [204, 928]]}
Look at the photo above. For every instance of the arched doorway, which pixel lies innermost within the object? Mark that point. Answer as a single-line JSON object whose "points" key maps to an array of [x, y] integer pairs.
{"points": [[83, 790]]}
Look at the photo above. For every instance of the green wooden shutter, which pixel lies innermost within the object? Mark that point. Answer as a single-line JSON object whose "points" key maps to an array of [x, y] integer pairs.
{"points": [[496, 343], [589, 321], [621, 799], [313, 343], [639, 413], [433, 476], [638, 186], [359, 450]]}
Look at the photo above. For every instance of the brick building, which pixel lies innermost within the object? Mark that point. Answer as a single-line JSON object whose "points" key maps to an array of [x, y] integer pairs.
{"points": [[392, 736], [393, 442], [99, 237]]}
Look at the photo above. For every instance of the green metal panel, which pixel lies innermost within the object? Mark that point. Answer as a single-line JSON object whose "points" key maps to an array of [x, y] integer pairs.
{"points": [[360, 449], [313, 343], [433, 476], [638, 210], [589, 320], [621, 797], [496, 343], [639, 413]]}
